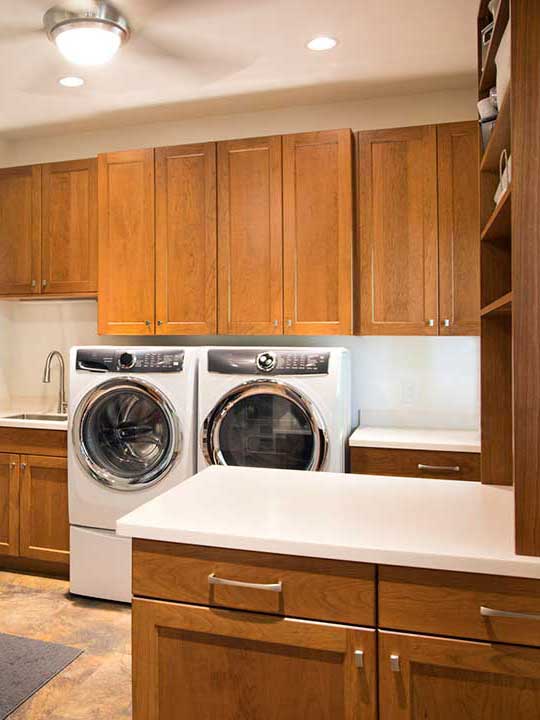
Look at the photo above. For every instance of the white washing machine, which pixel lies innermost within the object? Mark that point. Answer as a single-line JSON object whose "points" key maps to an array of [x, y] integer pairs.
{"points": [[274, 407], [132, 435]]}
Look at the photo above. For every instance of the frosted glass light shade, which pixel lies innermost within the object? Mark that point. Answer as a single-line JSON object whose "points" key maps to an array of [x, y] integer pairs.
{"points": [[88, 44]]}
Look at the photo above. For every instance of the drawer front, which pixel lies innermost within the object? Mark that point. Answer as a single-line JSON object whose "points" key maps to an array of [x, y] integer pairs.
{"points": [[416, 463], [328, 590], [450, 603], [29, 441]]}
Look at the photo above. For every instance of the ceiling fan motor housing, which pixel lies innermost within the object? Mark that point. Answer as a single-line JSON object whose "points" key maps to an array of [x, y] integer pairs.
{"points": [[99, 14]]}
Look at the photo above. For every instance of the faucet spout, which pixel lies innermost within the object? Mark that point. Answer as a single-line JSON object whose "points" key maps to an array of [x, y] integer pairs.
{"points": [[62, 404]]}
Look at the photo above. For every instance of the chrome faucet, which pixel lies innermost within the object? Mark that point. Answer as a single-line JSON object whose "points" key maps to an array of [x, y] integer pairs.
{"points": [[62, 404]]}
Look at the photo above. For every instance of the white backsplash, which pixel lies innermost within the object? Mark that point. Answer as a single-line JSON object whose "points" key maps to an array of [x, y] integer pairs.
{"points": [[403, 381]]}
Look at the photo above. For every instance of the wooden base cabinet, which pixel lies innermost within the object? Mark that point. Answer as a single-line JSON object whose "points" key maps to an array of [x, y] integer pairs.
{"points": [[423, 677], [44, 518], [9, 504], [199, 662]]}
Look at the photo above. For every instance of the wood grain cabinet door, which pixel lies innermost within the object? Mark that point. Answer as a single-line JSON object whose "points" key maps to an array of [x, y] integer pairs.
{"points": [[20, 230], [69, 227], [9, 504], [459, 222], [126, 264], [196, 662], [186, 245], [424, 677], [44, 521], [250, 237], [397, 171], [318, 232]]}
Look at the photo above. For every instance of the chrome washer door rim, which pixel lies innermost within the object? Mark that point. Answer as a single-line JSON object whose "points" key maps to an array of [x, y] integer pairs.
{"points": [[101, 474], [212, 425]]}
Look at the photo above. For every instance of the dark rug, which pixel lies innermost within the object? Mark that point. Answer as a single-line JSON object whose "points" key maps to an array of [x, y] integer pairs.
{"points": [[26, 666]]}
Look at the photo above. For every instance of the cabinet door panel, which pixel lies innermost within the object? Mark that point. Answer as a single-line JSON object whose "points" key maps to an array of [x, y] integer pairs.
{"points": [[459, 223], [69, 242], [44, 520], [398, 231], [456, 680], [250, 236], [318, 233], [126, 243], [20, 231], [192, 661], [186, 283], [9, 504]]}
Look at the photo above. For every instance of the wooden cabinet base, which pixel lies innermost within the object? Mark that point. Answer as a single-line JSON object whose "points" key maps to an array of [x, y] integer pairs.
{"points": [[197, 662], [34, 567]]}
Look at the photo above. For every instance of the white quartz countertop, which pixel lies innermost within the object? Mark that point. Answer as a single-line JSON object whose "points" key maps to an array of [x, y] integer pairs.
{"points": [[35, 424], [416, 439], [441, 524]]}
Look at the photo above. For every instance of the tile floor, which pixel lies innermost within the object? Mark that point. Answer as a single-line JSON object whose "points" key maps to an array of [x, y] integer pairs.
{"points": [[97, 685]]}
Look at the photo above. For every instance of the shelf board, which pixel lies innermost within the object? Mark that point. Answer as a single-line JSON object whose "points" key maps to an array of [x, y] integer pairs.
{"points": [[501, 306], [489, 73], [50, 296], [500, 138], [499, 225]]}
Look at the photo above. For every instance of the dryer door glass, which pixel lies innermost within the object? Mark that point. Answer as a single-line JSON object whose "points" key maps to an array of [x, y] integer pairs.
{"points": [[267, 425], [128, 435]]}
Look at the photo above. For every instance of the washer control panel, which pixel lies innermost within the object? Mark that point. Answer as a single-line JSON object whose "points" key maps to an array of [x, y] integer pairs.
{"points": [[268, 362], [132, 360]]}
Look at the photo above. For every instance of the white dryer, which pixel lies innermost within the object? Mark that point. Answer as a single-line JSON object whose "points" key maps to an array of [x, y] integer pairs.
{"points": [[274, 407], [131, 436]]}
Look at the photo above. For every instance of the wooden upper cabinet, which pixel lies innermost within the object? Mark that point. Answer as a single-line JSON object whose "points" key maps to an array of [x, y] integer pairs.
{"points": [[126, 243], [9, 504], [20, 230], [459, 223], [228, 664], [44, 521], [69, 227], [186, 244], [431, 677], [398, 231], [250, 238], [318, 232]]}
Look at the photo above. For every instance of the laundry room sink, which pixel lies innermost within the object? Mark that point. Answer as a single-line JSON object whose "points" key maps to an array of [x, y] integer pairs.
{"points": [[37, 416]]}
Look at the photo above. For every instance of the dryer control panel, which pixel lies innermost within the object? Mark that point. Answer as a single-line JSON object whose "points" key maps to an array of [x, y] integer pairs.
{"points": [[268, 362], [130, 360]]}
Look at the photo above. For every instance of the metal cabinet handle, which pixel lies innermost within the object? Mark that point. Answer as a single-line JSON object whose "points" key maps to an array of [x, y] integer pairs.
{"points": [[439, 468], [23, 466], [148, 323], [271, 587], [446, 322], [13, 464], [359, 658], [44, 283], [394, 663], [276, 323], [431, 322], [160, 323], [289, 323], [492, 612], [33, 283]]}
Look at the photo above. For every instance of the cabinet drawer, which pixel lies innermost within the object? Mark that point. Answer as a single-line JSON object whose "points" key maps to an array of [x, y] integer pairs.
{"points": [[415, 463], [449, 603], [300, 587]]}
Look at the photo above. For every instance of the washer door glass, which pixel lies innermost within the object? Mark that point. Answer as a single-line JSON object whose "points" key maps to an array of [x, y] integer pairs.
{"points": [[127, 434], [270, 427]]}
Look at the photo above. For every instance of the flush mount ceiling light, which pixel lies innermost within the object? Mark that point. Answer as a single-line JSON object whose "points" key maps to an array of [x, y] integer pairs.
{"points": [[322, 42], [89, 36], [71, 81]]}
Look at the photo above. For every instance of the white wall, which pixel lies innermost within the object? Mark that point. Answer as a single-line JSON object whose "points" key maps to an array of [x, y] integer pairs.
{"points": [[447, 106], [414, 381], [410, 381]]}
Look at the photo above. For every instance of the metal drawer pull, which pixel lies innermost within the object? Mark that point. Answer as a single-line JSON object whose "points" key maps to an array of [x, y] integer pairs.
{"points": [[394, 663], [359, 658], [441, 468], [272, 587], [491, 612]]}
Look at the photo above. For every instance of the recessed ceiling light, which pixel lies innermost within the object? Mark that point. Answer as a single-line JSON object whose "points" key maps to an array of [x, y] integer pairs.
{"points": [[71, 81], [322, 42], [91, 37]]}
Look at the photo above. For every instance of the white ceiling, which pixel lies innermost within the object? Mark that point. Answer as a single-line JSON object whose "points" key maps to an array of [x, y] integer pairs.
{"points": [[244, 54]]}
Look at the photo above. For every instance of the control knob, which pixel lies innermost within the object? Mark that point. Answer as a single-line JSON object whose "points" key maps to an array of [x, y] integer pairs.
{"points": [[266, 361], [126, 361]]}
